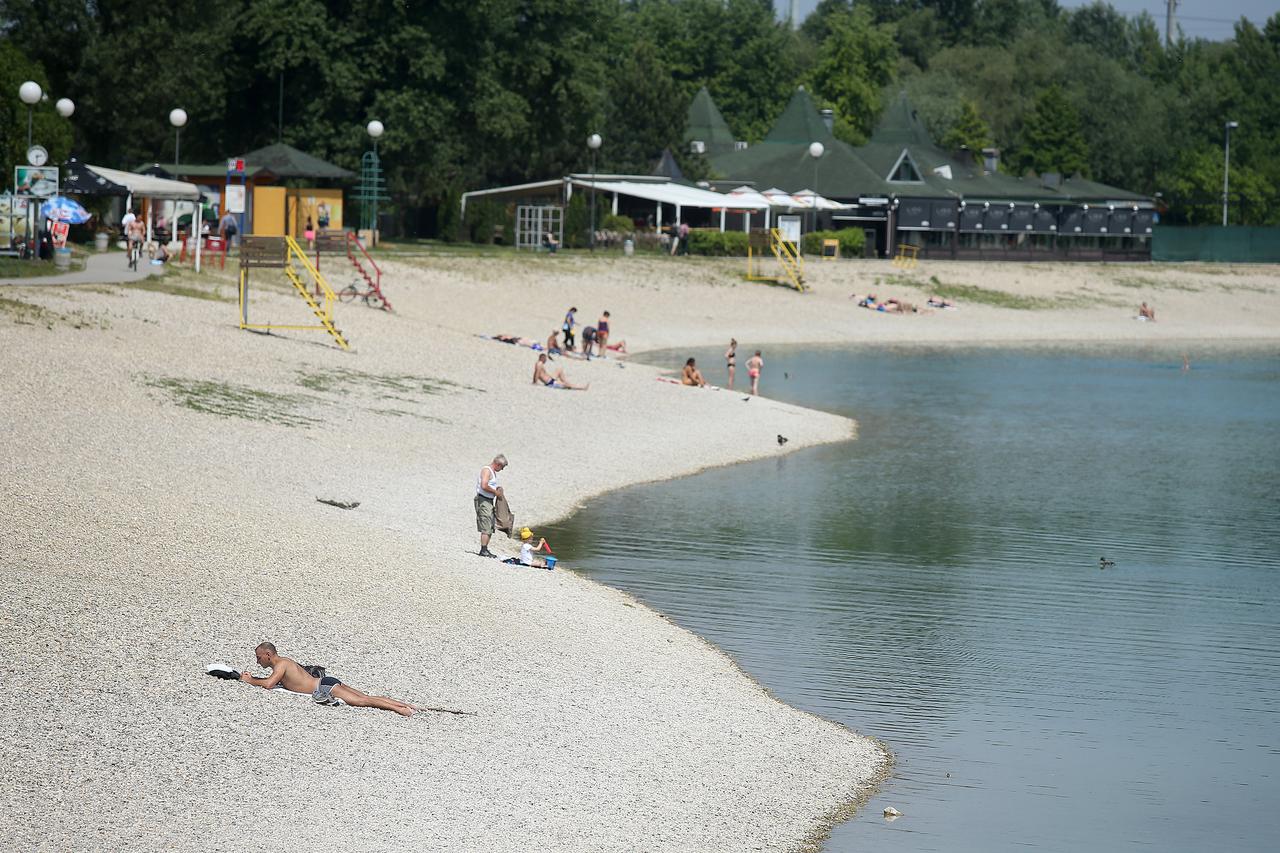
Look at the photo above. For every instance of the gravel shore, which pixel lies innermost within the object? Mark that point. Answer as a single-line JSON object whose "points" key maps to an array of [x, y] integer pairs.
{"points": [[160, 513]]}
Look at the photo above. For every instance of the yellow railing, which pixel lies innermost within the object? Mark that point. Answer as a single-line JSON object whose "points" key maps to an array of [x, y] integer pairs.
{"points": [[294, 254], [907, 256], [788, 254]]}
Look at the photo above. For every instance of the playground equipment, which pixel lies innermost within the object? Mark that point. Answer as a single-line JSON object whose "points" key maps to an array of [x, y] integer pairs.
{"points": [[535, 221], [787, 254], [907, 256], [285, 253]]}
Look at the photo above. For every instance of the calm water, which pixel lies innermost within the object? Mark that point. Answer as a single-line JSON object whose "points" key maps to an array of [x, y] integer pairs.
{"points": [[936, 584]]}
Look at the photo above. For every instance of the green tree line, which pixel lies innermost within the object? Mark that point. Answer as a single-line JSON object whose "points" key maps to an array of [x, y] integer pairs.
{"points": [[487, 92]]}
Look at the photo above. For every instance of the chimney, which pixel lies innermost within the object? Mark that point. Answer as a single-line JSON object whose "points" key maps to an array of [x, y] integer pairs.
{"points": [[963, 156], [828, 118], [795, 14], [990, 160]]}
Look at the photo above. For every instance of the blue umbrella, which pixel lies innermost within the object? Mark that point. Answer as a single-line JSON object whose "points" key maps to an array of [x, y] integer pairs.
{"points": [[63, 209]]}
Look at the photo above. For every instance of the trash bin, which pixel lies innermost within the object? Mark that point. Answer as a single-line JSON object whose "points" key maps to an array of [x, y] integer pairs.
{"points": [[101, 240], [62, 258], [628, 248]]}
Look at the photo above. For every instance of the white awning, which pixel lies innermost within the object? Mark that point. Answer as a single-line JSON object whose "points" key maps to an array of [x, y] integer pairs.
{"points": [[148, 186], [808, 198], [778, 198], [670, 193], [748, 198]]}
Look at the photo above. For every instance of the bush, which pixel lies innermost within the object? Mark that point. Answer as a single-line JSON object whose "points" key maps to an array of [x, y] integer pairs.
{"points": [[577, 222], [851, 241], [622, 224], [484, 220], [730, 243], [449, 217]]}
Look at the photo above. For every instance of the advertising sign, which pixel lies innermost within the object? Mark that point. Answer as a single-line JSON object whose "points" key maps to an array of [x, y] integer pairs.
{"points": [[39, 181], [234, 198], [60, 231]]}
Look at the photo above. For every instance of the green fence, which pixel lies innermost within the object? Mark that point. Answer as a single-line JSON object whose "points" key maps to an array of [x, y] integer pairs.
{"points": [[1232, 244]]}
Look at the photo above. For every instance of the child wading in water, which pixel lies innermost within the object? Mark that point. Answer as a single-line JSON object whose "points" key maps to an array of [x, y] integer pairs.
{"points": [[754, 365]]}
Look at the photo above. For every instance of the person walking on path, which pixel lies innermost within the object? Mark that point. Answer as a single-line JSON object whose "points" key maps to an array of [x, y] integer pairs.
{"points": [[755, 364], [488, 491], [289, 674], [570, 320], [227, 228], [731, 359]]}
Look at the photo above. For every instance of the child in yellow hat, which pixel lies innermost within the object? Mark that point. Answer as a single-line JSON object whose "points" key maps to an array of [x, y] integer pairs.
{"points": [[528, 550]]}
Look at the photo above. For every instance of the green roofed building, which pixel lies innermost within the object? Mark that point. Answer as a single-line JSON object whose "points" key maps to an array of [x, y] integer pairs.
{"points": [[901, 187], [705, 129]]}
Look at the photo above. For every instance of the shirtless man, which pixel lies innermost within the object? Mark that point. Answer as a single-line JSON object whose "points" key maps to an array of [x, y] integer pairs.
{"points": [[543, 376], [135, 232], [553, 343], [292, 676]]}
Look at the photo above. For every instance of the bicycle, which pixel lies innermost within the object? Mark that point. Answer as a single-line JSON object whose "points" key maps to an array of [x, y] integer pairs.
{"points": [[135, 249], [372, 298]]}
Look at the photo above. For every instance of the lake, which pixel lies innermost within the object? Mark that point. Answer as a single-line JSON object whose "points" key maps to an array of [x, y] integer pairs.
{"points": [[937, 584]]}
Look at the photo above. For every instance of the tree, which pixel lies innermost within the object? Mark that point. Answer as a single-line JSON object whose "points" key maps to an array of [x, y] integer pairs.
{"points": [[1051, 138], [969, 131], [646, 112], [48, 128], [855, 63]]}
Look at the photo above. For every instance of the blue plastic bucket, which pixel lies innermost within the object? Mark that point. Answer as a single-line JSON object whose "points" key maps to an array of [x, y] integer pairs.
{"points": [[551, 562]]}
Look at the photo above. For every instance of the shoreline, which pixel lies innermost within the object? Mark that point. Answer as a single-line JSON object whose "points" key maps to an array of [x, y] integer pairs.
{"points": [[147, 500]]}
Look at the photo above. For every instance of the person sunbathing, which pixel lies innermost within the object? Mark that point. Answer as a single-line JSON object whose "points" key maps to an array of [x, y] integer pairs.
{"points": [[290, 675], [544, 377], [691, 375], [938, 302], [553, 343], [619, 347], [1146, 313]]}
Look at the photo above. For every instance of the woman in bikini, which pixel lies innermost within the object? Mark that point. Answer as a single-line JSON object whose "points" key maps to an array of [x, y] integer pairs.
{"points": [[730, 358], [602, 335], [691, 375], [754, 365]]}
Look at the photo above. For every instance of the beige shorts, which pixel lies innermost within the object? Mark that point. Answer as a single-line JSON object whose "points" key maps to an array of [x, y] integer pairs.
{"points": [[484, 515]]}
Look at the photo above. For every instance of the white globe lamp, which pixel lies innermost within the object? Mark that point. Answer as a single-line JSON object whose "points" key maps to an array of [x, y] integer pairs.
{"points": [[30, 93], [65, 107]]}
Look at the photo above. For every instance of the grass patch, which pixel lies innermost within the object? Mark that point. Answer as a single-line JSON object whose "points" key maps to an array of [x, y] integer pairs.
{"points": [[1138, 282], [233, 401], [999, 298], [18, 268], [28, 314], [401, 413], [177, 288], [341, 380]]}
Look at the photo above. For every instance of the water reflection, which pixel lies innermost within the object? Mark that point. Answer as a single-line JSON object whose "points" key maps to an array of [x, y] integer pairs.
{"points": [[936, 583]]}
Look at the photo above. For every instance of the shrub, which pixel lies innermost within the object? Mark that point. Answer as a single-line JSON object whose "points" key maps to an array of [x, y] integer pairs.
{"points": [[621, 224], [851, 241], [731, 243], [484, 220], [577, 222]]}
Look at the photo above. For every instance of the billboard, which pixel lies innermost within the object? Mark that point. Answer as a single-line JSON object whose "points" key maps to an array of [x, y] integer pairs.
{"points": [[41, 181]]}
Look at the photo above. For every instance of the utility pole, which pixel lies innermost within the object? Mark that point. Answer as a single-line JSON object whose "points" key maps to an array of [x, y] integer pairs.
{"points": [[795, 14], [1170, 21]]}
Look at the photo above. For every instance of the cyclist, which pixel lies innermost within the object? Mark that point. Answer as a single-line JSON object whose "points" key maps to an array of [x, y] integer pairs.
{"points": [[135, 231]]}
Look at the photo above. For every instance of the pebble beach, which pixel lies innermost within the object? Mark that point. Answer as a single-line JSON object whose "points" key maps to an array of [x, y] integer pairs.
{"points": [[162, 475]]}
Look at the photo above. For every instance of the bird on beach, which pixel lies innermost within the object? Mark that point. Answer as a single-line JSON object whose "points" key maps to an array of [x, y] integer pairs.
{"points": [[1104, 563], [786, 375], [782, 439]]}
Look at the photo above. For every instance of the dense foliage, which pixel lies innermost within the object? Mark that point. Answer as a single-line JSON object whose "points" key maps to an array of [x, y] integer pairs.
{"points": [[482, 92]]}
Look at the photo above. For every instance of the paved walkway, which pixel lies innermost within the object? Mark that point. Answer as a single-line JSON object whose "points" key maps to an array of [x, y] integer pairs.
{"points": [[100, 268]]}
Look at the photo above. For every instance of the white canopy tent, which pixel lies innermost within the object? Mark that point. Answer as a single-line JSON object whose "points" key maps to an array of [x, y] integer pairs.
{"points": [[159, 189], [808, 198]]}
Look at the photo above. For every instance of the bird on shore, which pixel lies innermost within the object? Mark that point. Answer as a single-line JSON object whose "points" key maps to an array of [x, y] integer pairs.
{"points": [[1104, 563], [782, 439], [786, 375]]}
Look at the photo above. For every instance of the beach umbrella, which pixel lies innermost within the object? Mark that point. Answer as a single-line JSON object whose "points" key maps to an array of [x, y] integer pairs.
{"points": [[62, 209]]}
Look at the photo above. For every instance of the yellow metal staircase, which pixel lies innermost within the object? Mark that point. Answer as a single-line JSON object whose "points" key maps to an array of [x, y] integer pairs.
{"points": [[285, 253], [787, 254]]}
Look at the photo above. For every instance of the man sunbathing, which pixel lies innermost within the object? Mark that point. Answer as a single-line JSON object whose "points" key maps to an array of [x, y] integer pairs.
{"points": [[542, 376], [290, 675]]}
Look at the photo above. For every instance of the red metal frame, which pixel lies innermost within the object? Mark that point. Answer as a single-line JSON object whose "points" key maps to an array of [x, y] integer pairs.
{"points": [[374, 281]]}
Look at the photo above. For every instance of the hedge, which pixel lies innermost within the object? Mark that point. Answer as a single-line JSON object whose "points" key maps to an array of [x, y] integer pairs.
{"points": [[732, 243], [851, 241]]}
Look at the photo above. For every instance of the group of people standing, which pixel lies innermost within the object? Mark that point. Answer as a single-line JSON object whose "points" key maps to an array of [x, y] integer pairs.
{"points": [[593, 337], [691, 375]]}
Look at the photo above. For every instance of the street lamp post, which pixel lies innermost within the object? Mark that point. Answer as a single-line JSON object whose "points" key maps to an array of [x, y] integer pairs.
{"points": [[816, 150], [375, 130], [1226, 167], [177, 118], [593, 142], [30, 93]]}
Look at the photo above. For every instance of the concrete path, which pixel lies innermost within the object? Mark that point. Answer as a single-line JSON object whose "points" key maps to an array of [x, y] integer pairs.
{"points": [[100, 268]]}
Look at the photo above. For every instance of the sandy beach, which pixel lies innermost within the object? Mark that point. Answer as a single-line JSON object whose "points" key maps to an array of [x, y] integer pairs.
{"points": [[160, 514]]}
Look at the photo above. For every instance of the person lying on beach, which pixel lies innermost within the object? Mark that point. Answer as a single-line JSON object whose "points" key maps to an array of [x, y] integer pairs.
{"points": [[1146, 313], [528, 551], [691, 375], [542, 376], [619, 347], [938, 302], [289, 674]]}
